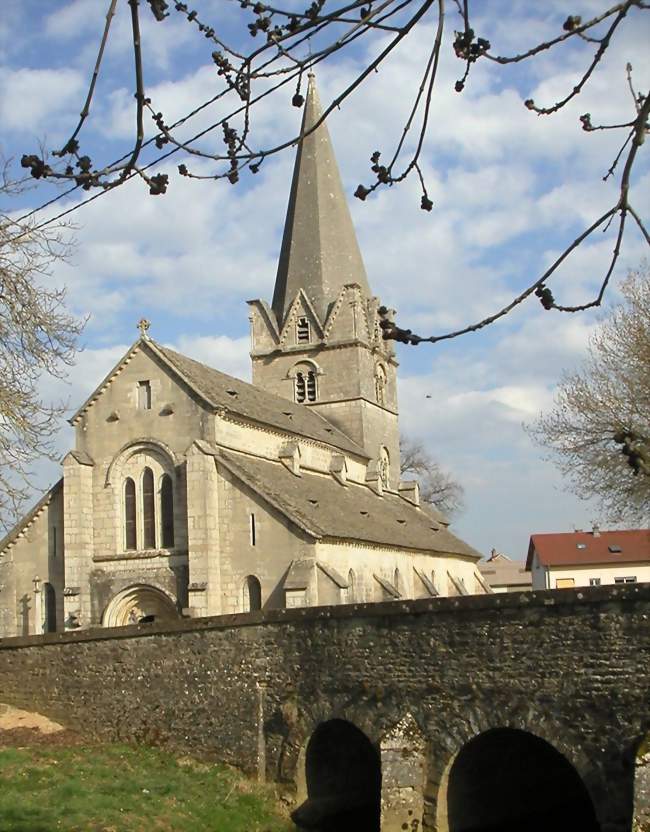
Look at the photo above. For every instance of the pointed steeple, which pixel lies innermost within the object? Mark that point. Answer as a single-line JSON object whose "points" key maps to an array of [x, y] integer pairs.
{"points": [[320, 253]]}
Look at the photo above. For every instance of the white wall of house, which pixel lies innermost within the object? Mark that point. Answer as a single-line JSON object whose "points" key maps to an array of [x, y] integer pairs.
{"points": [[561, 577]]}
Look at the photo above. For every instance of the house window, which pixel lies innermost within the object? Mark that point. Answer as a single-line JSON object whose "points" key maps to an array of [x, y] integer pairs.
{"points": [[144, 395], [629, 579], [303, 334], [131, 537], [148, 510], [594, 581], [253, 530], [564, 583], [252, 594], [167, 511]]}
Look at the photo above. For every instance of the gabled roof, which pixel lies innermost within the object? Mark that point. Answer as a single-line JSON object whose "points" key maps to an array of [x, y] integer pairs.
{"points": [[322, 508], [577, 548], [499, 570], [221, 391], [319, 253], [25, 522]]}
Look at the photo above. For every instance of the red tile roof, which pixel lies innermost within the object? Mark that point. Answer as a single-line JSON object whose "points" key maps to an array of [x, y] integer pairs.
{"points": [[563, 550]]}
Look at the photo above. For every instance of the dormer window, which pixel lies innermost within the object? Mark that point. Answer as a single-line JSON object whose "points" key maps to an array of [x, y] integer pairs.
{"points": [[303, 333], [144, 395]]}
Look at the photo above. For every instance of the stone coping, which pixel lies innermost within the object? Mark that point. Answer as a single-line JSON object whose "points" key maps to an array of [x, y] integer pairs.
{"points": [[468, 605]]}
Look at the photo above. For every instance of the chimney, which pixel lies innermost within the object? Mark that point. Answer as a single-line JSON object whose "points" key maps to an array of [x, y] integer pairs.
{"points": [[596, 530]]}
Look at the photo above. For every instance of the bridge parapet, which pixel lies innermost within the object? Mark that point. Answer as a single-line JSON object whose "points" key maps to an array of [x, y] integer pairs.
{"points": [[569, 667]]}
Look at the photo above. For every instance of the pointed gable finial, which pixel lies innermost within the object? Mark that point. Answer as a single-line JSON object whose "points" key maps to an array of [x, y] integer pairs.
{"points": [[319, 253], [143, 326]]}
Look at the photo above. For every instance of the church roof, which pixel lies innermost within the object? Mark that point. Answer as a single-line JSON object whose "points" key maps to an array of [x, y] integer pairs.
{"points": [[220, 390], [244, 399], [322, 507], [319, 253], [25, 522]]}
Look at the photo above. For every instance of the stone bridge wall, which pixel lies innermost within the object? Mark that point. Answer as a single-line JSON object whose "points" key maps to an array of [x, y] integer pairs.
{"points": [[570, 666]]}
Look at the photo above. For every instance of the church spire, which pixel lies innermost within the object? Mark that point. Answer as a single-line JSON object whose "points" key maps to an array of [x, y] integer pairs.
{"points": [[319, 253]]}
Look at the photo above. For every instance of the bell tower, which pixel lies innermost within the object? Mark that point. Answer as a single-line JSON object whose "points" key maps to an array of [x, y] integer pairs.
{"points": [[319, 343]]}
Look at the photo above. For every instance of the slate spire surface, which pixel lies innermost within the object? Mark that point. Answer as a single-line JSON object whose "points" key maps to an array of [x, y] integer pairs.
{"points": [[319, 253]]}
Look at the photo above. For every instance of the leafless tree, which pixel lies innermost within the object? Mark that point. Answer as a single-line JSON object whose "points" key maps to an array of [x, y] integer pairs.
{"points": [[599, 427], [37, 337], [437, 487], [288, 44]]}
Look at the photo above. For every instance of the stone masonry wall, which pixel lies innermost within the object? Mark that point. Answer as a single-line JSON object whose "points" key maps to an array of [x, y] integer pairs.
{"points": [[569, 666]]}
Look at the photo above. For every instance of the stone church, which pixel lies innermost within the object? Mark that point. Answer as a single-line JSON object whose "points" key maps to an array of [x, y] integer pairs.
{"points": [[193, 493]]}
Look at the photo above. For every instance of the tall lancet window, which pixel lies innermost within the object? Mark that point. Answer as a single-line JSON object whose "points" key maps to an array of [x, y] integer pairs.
{"points": [[130, 534], [148, 509], [380, 384], [167, 511]]}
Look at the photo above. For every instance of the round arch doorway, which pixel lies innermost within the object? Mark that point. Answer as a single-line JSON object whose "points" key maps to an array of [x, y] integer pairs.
{"points": [[507, 780], [136, 604]]}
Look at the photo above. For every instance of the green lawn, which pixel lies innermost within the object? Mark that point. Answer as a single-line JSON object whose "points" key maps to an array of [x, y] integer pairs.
{"points": [[116, 788]]}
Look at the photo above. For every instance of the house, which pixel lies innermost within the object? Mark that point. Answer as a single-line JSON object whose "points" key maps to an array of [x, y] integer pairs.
{"points": [[502, 574], [559, 561], [190, 492]]}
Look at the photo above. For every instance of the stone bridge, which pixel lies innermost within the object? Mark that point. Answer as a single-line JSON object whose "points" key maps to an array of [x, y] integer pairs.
{"points": [[509, 712]]}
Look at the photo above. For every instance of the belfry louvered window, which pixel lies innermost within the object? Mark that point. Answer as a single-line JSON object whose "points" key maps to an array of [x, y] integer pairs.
{"points": [[300, 388], [167, 511], [303, 334], [130, 533], [311, 386], [148, 509]]}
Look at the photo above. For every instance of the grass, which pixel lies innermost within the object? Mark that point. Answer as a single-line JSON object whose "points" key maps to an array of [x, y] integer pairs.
{"points": [[118, 788]]}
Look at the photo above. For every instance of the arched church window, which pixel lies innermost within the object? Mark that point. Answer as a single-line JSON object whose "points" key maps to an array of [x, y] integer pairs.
{"points": [[130, 533], [380, 384], [384, 467], [352, 590], [167, 511], [300, 388], [396, 580], [49, 603], [252, 594], [148, 510], [303, 334], [311, 386]]}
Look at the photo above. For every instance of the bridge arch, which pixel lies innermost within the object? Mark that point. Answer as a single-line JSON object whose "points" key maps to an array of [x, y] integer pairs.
{"points": [[136, 602], [342, 772], [510, 779]]}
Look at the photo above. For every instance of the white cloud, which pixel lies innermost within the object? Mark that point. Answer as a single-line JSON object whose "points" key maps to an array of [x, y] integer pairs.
{"points": [[33, 100]]}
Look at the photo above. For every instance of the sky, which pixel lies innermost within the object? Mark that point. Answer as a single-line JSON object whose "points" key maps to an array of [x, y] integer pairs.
{"points": [[510, 191]]}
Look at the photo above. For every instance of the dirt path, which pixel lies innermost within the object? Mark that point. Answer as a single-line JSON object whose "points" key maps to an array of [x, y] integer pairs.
{"points": [[21, 728]]}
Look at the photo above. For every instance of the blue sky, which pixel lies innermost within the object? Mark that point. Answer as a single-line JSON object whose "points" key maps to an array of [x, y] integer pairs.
{"points": [[509, 189]]}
